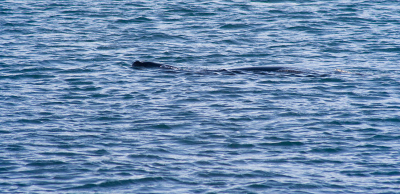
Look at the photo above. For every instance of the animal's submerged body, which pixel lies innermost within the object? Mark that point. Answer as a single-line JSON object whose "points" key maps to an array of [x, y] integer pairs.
{"points": [[272, 68], [256, 69]]}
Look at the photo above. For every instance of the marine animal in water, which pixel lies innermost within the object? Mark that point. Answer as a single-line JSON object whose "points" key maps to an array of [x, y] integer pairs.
{"points": [[256, 69], [151, 64]]}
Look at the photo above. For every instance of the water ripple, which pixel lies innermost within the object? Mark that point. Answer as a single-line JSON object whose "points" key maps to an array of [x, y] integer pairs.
{"points": [[76, 118]]}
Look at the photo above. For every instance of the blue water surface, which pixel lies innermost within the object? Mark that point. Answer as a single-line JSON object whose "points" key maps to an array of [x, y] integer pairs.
{"points": [[76, 118]]}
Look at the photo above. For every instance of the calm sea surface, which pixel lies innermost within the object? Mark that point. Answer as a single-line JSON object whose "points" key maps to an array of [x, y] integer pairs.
{"points": [[76, 118]]}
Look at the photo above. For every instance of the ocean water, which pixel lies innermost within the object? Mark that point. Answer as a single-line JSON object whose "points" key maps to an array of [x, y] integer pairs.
{"points": [[76, 118]]}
